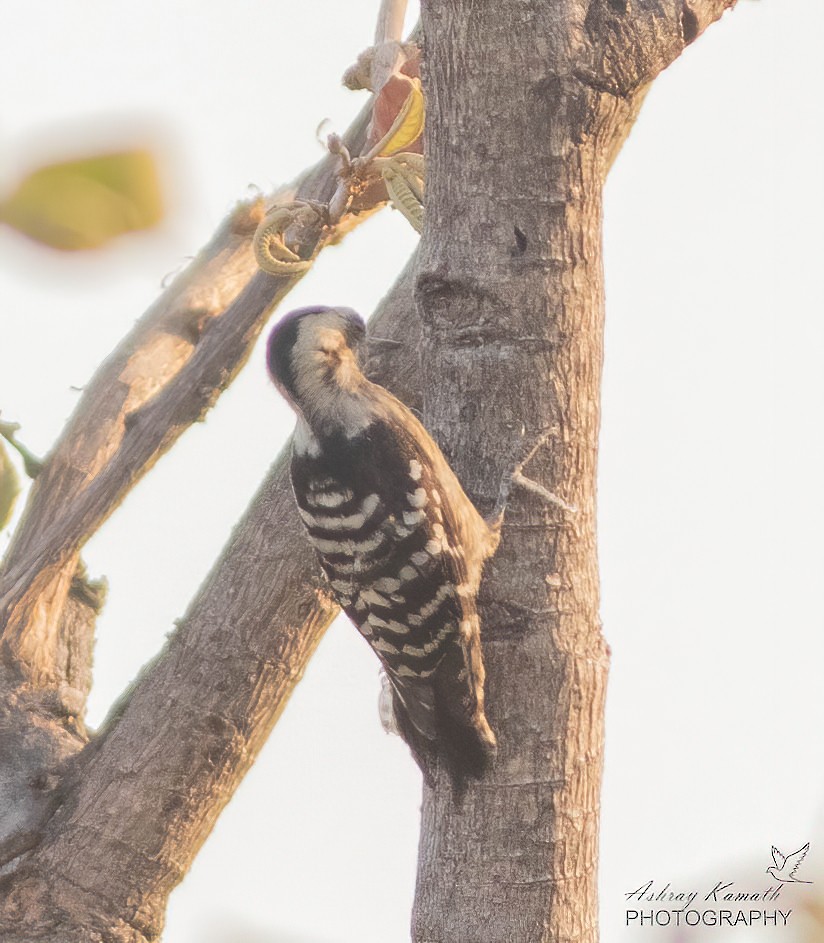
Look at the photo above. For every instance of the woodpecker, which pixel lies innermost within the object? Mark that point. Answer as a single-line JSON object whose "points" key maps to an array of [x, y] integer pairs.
{"points": [[401, 544]]}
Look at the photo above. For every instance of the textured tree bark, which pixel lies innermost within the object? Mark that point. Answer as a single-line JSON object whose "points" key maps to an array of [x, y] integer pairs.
{"points": [[513, 338], [145, 793], [527, 104], [163, 376], [511, 298]]}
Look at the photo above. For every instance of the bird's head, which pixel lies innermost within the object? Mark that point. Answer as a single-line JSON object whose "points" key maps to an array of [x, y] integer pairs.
{"points": [[312, 356]]}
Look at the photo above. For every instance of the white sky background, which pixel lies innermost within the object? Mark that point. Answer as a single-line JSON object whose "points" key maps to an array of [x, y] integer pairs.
{"points": [[711, 508]]}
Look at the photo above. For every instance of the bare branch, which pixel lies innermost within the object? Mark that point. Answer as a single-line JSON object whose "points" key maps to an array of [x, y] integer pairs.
{"points": [[390, 21], [631, 41], [146, 794], [164, 376], [41, 731], [388, 54]]}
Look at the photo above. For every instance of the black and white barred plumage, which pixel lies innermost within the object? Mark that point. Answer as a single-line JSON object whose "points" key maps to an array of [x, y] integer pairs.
{"points": [[401, 544]]}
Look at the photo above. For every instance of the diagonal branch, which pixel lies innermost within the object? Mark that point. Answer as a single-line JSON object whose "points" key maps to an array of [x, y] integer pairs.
{"points": [[390, 21], [163, 377], [39, 735], [629, 42], [147, 792], [388, 34]]}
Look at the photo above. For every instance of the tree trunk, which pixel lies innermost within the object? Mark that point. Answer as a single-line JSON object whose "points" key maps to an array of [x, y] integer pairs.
{"points": [[527, 103], [510, 290]]}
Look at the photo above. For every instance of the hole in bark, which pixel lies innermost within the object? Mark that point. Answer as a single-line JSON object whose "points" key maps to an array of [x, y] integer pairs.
{"points": [[689, 24], [42, 782], [548, 87], [520, 241], [173, 804], [620, 6]]}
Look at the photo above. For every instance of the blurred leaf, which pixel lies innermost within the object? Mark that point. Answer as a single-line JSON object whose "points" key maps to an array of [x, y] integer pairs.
{"points": [[9, 487], [82, 204]]}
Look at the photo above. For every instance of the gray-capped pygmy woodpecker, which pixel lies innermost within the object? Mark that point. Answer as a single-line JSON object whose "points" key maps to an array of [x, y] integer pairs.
{"points": [[401, 544]]}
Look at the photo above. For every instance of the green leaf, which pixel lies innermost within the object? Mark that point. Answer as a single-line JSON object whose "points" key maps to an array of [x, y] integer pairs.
{"points": [[9, 487], [83, 204]]}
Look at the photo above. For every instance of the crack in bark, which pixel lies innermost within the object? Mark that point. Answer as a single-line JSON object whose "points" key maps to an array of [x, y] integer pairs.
{"points": [[689, 24], [603, 85]]}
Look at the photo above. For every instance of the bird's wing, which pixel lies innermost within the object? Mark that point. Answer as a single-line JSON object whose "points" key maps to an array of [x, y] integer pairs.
{"points": [[778, 858], [795, 859], [438, 673]]}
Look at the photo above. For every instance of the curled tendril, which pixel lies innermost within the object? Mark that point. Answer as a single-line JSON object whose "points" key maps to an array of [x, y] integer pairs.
{"points": [[271, 252], [403, 175]]}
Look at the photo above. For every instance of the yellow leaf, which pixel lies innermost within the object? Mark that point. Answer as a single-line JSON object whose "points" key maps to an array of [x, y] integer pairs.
{"points": [[9, 487], [408, 125], [82, 204]]}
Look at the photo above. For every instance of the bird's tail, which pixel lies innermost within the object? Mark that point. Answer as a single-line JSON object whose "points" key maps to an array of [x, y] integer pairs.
{"points": [[467, 745], [467, 748], [444, 723]]}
